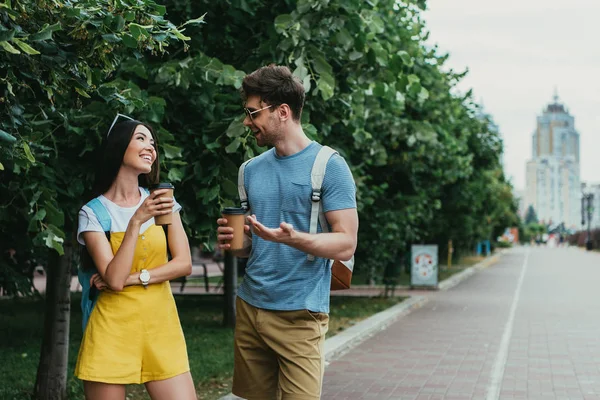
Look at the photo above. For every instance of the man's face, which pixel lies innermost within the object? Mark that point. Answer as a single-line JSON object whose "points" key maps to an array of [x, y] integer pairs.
{"points": [[264, 123]]}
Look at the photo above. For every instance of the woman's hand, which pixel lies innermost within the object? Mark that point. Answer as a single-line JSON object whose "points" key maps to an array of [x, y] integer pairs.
{"points": [[97, 281], [153, 206]]}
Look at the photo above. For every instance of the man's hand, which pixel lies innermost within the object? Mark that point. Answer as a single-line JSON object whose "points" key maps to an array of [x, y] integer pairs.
{"points": [[225, 233], [284, 234]]}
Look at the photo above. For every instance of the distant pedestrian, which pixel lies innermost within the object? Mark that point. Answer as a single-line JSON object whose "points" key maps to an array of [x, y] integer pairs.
{"points": [[283, 304], [133, 335]]}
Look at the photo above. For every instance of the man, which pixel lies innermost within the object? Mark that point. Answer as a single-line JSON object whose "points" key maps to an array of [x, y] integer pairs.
{"points": [[283, 302]]}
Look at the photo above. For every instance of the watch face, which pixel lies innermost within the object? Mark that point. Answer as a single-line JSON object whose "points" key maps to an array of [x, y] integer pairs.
{"points": [[145, 276]]}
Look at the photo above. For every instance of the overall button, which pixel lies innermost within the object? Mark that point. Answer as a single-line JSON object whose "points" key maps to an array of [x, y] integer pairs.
{"points": [[143, 237]]}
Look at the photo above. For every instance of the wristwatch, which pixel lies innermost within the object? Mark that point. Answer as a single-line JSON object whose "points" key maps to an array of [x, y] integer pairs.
{"points": [[145, 277]]}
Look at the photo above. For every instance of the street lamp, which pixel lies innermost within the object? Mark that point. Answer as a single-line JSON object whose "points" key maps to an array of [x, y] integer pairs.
{"points": [[587, 209]]}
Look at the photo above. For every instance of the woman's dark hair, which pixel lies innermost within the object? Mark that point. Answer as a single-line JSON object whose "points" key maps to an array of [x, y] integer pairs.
{"points": [[111, 153], [109, 159], [275, 85]]}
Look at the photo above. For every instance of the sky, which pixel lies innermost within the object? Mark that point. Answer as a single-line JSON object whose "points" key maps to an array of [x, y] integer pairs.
{"points": [[517, 53]]}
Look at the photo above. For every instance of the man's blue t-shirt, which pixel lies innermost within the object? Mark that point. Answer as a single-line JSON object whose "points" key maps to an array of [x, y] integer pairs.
{"points": [[278, 276]]}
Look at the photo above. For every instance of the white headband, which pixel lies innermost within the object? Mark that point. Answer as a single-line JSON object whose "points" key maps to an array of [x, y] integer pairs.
{"points": [[115, 121]]}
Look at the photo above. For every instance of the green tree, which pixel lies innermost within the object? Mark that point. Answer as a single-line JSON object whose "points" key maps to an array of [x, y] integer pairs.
{"points": [[530, 216], [57, 58]]}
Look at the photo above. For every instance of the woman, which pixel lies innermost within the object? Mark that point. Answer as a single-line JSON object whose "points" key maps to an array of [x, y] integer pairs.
{"points": [[133, 334]]}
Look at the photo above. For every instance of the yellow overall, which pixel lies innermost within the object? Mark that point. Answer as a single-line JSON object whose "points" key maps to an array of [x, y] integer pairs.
{"points": [[134, 336]]}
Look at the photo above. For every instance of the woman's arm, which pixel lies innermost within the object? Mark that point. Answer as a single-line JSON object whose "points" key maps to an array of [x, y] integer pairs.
{"points": [[115, 269], [180, 263]]}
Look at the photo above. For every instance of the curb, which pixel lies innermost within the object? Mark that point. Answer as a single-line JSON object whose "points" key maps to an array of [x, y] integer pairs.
{"points": [[338, 345]]}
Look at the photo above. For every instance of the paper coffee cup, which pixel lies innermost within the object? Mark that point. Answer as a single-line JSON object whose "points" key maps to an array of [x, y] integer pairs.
{"points": [[165, 219], [235, 219]]}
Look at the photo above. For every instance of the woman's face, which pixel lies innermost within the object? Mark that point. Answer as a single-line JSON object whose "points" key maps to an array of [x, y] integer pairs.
{"points": [[140, 154]]}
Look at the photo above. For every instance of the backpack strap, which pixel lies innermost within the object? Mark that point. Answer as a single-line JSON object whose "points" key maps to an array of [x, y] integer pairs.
{"points": [[317, 175], [101, 213], [89, 294], [242, 186]]}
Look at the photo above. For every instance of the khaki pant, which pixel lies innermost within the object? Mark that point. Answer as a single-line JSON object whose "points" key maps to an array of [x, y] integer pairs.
{"points": [[278, 354]]}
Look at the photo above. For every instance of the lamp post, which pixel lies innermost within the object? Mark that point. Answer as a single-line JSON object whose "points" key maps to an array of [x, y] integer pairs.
{"points": [[587, 209]]}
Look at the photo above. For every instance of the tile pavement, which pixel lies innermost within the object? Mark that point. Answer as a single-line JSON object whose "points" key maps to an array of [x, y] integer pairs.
{"points": [[448, 348]]}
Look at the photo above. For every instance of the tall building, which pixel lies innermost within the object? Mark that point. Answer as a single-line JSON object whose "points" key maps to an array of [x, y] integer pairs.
{"points": [[552, 182]]}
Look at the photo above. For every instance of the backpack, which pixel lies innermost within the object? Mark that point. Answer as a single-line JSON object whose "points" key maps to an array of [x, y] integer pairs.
{"points": [[341, 271], [89, 293]]}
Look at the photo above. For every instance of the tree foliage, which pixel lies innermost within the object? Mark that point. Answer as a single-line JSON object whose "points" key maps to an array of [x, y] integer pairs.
{"points": [[531, 216], [425, 159]]}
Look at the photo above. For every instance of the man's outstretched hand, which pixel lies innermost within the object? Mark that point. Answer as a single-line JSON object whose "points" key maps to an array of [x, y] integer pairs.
{"points": [[284, 234]]}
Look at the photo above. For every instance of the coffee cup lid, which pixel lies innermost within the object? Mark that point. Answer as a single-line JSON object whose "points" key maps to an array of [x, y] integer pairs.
{"points": [[162, 185], [233, 211]]}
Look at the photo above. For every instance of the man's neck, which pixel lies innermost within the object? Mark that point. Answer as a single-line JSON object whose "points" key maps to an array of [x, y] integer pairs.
{"points": [[294, 141]]}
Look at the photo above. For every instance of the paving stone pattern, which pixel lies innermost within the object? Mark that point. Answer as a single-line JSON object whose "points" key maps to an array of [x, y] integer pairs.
{"points": [[448, 348]]}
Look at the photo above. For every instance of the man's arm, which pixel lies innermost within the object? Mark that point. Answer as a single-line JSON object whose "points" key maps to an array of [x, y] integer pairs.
{"points": [[339, 244]]}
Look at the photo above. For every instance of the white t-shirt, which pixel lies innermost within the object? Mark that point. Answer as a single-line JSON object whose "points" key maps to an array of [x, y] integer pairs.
{"points": [[120, 216]]}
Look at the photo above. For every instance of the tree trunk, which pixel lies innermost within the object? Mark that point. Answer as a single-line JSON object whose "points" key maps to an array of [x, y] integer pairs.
{"points": [[229, 289], [51, 381]]}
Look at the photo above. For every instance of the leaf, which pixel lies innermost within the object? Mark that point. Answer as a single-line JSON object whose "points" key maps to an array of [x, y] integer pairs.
{"points": [[119, 23], [6, 35], [229, 188], [46, 32], [423, 95], [1, 167], [8, 47], [54, 216], [306, 83], [175, 175], [161, 10], [233, 146], [282, 22], [325, 88], [25, 47], [111, 38], [39, 216], [53, 240], [344, 38], [129, 41], [355, 55], [172, 151], [28, 153], [322, 66], [235, 129], [82, 92], [199, 20], [7, 137], [406, 59], [137, 31], [180, 35]]}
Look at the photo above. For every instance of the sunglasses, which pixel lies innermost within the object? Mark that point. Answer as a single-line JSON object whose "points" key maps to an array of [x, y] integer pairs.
{"points": [[115, 121], [250, 113]]}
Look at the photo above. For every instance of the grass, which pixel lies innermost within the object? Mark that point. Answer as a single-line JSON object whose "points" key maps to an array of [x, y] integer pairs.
{"points": [[210, 345]]}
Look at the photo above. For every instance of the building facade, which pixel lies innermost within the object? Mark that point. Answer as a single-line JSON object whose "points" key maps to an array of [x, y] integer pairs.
{"points": [[553, 185]]}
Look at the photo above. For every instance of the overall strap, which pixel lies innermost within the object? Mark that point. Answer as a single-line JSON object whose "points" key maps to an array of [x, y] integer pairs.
{"points": [[317, 176], [242, 186]]}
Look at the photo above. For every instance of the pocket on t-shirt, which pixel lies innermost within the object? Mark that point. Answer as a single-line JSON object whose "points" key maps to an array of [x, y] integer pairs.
{"points": [[297, 198]]}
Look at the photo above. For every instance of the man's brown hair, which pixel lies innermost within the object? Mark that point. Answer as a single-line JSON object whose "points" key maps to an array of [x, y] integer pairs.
{"points": [[275, 85]]}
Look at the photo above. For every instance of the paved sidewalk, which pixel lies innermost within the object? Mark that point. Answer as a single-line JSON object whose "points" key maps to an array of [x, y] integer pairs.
{"points": [[526, 329]]}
